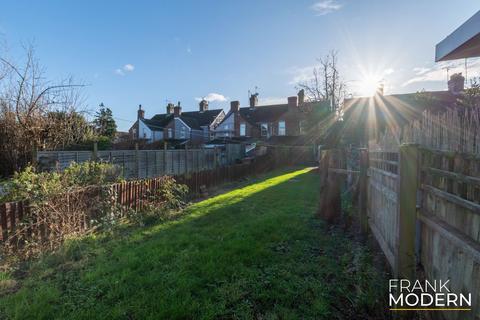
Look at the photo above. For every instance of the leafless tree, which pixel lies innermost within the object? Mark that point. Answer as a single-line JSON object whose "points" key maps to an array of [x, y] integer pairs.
{"points": [[28, 103], [326, 82]]}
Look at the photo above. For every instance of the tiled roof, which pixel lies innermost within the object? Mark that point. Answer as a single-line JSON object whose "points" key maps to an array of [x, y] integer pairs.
{"points": [[260, 114], [204, 118], [194, 119], [158, 122]]}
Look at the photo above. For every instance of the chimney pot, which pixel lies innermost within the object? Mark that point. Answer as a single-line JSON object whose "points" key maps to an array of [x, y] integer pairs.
{"points": [[203, 105], [456, 84], [177, 111], [301, 96], [292, 102], [253, 100], [140, 112], [170, 108], [234, 106]]}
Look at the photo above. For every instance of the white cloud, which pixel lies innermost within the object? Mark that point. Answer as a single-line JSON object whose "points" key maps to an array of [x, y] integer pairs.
{"points": [[438, 72], [324, 7], [420, 70], [126, 68], [388, 71], [213, 97], [129, 67], [301, 74]]}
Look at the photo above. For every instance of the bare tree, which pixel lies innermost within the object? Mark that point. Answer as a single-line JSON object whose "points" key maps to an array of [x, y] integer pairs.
{"points": [[27, 103], [325, 82]]}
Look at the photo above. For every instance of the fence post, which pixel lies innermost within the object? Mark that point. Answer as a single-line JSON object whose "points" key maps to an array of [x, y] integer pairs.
{"points": [[164, 157], [330, 186], [405, 263], [137, 160], [186, 158], [95, 151], [363, 189]]}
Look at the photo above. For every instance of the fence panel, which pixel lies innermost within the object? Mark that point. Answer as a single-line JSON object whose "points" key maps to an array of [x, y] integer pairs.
{"points": [[145, 163], [450, 228], [382, 203]]}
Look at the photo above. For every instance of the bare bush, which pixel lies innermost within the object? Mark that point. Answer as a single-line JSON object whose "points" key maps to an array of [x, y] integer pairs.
{"points": [[35, 113]]}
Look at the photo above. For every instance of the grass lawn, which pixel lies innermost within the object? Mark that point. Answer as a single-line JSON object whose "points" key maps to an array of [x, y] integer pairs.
{"points": [[256, 252]]}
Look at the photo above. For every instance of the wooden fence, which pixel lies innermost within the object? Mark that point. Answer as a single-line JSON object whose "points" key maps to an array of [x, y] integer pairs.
{"points": [[146, 163], [127, 195], [423, 208]]}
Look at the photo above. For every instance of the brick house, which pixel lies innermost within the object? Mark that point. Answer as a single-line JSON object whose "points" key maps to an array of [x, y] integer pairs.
{"points": [[194, 127], [266, 121]]}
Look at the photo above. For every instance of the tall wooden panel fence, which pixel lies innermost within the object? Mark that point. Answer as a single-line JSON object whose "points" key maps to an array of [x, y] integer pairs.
{"points": [[423, 208]]}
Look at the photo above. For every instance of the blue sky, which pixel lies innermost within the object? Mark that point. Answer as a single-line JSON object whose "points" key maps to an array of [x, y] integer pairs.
{"points": [[147, 52]]}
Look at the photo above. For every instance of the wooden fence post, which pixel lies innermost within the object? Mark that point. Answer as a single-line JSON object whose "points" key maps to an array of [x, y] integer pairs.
{"points": [[363, 189], [405, 262], [330, 186], [95, 151], [137, 160]]}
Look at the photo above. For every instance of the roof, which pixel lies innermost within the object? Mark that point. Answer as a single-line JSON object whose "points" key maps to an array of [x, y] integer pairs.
{"points": [[464, 42], [193, 119], [201, 118], [258, 114], [158, 122]]}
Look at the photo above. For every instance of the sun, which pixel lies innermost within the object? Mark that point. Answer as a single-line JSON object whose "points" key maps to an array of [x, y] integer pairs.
{"points": [[369, 85]]}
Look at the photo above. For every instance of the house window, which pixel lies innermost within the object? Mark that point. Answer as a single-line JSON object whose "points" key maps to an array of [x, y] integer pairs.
{"points": [[243, 129], [182, 133], [281, 128], [264, 129], [170, 133], [302, 126]]}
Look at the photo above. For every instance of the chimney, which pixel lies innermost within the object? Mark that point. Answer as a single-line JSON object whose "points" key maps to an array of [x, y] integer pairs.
{"points": [[253, 100], [456, 84], [170, 108], [203, 105], [301, 97], [177, 110], [140, 112], [292, 102], [234, 106]]}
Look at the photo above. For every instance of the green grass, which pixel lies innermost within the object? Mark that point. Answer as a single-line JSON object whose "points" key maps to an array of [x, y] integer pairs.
{"points": [[256, 252]]}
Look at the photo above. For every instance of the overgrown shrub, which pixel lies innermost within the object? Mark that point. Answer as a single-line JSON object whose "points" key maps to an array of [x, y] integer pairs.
{"points": [[78, 200], [168, 198], [34, 186]]}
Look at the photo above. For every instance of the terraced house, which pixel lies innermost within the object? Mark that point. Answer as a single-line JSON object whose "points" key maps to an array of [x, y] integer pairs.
{"points": [[268, 121], [193, 127]]}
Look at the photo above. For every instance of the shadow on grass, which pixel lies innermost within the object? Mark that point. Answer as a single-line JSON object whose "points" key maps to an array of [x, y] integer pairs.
{"points": [[253, 252]]}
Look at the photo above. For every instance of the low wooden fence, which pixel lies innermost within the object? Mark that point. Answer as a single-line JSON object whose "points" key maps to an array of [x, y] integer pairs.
{"points": [[423, 208], [126, 195]]}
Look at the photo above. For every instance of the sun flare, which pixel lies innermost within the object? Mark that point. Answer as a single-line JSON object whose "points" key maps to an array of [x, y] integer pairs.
{"points": [[369, 85]]}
